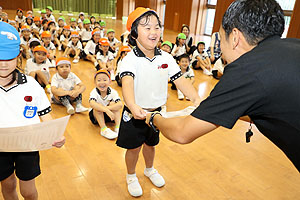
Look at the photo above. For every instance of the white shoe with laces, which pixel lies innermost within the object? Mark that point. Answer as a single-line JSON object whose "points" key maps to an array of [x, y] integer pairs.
{"points": [[134, 187], [180, 95], [109, 134], [70, 110], [155, 177]]}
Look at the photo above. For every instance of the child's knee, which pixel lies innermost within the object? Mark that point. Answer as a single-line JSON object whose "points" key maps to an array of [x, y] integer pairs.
{"points": [[9, 184], [29, 193]]}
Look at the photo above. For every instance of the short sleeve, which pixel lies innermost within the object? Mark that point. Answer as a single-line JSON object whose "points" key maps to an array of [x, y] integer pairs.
{"points": [[174, 48], [77, 80], [93, 95], [128, 67], [79, 45], [115, 96], [69, 44], [54, 81], [98, 56], [191, 72], [174, 71], [237, 94]]}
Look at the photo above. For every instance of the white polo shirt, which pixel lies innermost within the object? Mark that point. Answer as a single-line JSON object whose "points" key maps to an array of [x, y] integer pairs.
{"points": [[150, 76], [181, 50], [112, 96], [75, 29], [23, 103], [24, 42], [90, 47], [189, 73], [20, 20], [196, 54], [31, 65], [85, 35], [50, 46], [78, 45], [63, 38], [67, 84], [109, 56]]}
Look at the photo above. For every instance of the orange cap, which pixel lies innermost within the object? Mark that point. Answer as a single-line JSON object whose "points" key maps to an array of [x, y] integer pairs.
{"points": [[36, 19], [95, 31], [102, 71], [136, 14], [40, 48], [125, 48], [63, 60], [25, 27], [104, 42], [67, 27], [50, 22], [29, 16], [46, 34], [74, 34]]}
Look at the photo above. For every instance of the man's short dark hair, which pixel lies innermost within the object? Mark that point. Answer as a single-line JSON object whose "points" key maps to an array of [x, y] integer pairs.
{"points": [[256, 19]]}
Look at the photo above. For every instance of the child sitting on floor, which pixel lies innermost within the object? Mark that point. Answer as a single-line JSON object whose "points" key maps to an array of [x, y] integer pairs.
{"points": [[66, 87], [106, 105]]}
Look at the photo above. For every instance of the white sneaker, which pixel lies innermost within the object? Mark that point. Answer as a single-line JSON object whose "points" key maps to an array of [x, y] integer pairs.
{"points": [[81, 108], [155, 177], [70, 110], [59, 48], [117, 130], [48, 90], [180, 95], [134, 187], [109, 134], [207, 72], [75, 61]]}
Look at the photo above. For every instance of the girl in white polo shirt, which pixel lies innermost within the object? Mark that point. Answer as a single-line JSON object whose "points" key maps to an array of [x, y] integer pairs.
{"points": [[145, 72], [23, 102], [74, 47]]}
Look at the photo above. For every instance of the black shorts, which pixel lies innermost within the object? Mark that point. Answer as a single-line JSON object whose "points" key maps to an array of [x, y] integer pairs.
{"points": [[41, 84], [84, 55], [194, 65], [134, 133], [25, 164], [94, 120]]}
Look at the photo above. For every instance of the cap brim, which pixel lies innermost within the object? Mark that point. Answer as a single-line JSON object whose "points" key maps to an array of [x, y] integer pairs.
{"points": [[8, 55]]}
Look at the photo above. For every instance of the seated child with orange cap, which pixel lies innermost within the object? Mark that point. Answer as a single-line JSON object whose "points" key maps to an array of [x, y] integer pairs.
{"points": [[106, 105], [74, 47], [32, 44], [46, 39], [65, 37], [66, 87], [105, 57], [89, 52], [123, 52], [38, 67]]}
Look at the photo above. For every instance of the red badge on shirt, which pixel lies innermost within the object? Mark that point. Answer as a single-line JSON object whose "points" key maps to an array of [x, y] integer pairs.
{"points": [[163, 66], [28, 98]]}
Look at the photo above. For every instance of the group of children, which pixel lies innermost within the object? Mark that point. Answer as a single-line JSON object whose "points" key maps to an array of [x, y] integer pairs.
{"points": [[88, 39]]}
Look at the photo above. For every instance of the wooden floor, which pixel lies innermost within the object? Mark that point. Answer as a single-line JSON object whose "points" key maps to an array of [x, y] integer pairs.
{"points": [[220, 165]]}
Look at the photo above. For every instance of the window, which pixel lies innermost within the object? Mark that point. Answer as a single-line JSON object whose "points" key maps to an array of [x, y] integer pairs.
{"points": [[287, 7], [210, 16]]}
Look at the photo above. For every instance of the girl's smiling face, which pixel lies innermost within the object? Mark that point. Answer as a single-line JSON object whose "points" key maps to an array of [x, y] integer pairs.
{"points": [[102, 82], [148, 32]]}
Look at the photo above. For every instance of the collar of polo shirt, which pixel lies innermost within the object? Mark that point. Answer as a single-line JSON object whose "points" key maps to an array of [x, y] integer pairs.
{"points": [[21, 77], [108, 92], [138, 52]]}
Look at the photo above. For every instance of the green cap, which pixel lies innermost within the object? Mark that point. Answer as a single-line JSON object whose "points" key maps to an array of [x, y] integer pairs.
{"points": [[43, 11], [102, 23], [50, 8], [181, 36], [73, 19], [110, 30], [62, 18], [86, 21], [167, 43]]}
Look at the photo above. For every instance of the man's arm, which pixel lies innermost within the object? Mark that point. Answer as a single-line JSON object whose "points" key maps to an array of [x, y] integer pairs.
{"points": [[188, 89], [182, 130]]}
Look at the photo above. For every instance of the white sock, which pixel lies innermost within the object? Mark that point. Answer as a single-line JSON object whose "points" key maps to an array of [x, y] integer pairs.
{"points": [[131, 175], [149, 169], [95, 63]]}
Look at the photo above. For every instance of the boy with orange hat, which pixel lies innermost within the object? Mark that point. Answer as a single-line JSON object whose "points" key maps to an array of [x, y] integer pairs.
{"points": [[145, 72], [38, 67], [66, 87], [74, 47], [46, 39], [64, 38], [106, 105]]}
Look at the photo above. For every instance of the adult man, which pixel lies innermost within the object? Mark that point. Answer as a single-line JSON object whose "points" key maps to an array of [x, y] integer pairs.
{"points": [[261, 81]]}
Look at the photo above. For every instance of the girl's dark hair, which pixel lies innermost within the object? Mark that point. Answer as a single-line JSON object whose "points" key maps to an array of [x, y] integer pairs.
{"points": [[34, 44], [134, 32], [183, 56], [44, 21], [177, 42], [119, 58], [199, 45]]}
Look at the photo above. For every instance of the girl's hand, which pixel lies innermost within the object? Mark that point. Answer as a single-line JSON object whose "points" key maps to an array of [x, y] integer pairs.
{"points": [[60, 143], [138, 112]]}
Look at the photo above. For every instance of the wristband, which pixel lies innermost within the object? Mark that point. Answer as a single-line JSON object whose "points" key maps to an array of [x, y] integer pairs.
{"points": [[151, 121]]}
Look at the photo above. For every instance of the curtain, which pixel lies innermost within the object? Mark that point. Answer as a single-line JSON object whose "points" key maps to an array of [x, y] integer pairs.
{"points": [[88, 6]]}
